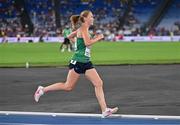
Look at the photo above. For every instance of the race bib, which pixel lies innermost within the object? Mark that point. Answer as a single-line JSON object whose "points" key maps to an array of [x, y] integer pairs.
{"points": [[75, 46], [87, 52], [73, 62]]}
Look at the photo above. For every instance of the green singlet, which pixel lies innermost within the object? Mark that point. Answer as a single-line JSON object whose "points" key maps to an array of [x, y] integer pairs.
{"points": [[82, 52]]}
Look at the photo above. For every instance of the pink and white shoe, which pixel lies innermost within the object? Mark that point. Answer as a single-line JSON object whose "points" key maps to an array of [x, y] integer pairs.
{"points": [[39, 92], [109, 111]]}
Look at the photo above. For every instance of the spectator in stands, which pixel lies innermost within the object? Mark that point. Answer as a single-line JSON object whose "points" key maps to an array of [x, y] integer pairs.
{"points": [[18, 37], [4, 36], [171, 35]]}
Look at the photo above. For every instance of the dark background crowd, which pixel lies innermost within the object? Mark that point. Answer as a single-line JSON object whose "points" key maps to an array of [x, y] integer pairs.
{"points": [[112, 17]]}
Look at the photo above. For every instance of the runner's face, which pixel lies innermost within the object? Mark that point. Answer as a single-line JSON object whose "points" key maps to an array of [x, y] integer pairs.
{"points": [[90, 19]]}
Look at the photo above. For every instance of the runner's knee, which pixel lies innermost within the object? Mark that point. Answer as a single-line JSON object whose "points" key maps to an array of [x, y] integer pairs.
{"points": [[99, 83], [68, 87]]}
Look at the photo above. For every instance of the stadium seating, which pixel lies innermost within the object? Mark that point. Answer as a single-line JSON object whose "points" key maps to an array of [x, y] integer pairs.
{"points": [[144, 10], [107, 14], [172, 16], [6, 9]]}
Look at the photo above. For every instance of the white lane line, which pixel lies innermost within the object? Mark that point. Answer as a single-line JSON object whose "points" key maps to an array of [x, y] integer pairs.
{"points": [[88, 115]]}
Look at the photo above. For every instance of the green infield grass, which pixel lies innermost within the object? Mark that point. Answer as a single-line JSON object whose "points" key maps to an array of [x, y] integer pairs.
{"points": [[103, 53]]}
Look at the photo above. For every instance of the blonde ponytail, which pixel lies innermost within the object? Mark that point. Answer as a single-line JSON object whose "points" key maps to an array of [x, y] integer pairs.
{"points": [[74, 21]]}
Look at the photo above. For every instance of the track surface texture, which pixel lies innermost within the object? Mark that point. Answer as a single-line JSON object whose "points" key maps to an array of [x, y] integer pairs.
{"points": [[135, 89]]}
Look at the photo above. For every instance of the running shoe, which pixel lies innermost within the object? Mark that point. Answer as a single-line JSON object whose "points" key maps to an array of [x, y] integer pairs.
{"points": [[109, 111], [39, 92]]}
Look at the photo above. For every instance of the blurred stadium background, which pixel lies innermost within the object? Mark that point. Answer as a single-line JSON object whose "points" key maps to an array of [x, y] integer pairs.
{"points": [[136, 32], [119, 20]]}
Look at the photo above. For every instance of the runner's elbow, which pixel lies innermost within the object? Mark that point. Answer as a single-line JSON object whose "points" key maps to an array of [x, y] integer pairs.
{"points": [[87, 43]]}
